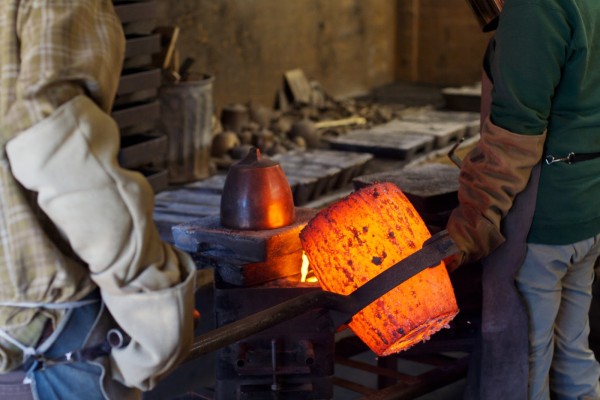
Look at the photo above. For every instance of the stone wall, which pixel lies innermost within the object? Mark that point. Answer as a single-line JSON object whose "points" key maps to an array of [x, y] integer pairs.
{"points": [[349, 46], [440, 42]]}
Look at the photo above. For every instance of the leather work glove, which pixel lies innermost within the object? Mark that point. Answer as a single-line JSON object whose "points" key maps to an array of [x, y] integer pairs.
{"points": [[105, 212], [491, 176]]}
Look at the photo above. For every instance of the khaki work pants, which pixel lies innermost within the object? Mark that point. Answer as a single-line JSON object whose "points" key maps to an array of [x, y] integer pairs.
{"points": [[556, 284]]}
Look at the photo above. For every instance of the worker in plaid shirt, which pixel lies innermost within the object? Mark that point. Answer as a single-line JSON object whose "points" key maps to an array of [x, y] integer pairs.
{"points": [[79, 252]]}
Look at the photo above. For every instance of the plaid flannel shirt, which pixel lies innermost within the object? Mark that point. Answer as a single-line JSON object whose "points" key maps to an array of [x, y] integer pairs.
{"points": [[50, 52]]}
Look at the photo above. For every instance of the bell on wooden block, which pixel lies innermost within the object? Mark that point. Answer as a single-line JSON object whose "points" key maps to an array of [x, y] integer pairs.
{"points": [[256, 195], [358, 237]]}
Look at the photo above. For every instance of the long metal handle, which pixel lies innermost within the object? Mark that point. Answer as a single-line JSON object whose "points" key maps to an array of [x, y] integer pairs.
{"points": [[258, 322], [339, 307], [437, 248]]}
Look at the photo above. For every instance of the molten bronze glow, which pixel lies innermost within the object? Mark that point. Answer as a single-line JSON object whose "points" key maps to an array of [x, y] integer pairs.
{"points": [[363, 234]]}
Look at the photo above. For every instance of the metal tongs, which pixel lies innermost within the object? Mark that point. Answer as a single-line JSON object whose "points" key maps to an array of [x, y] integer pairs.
{"points": [[340, 308]]}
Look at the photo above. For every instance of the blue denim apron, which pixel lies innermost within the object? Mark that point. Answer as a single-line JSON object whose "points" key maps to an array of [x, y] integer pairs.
{"points": [[84, 326]]}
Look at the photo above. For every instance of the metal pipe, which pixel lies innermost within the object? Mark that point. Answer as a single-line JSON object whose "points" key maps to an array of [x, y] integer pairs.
{"points": [[260, 321]]}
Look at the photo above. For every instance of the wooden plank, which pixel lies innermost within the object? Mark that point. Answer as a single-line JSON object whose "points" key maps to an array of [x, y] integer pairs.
{"points": [[136, 11], [139, 150], [252, 246], [260, 272], [139, 45], [138, 79], [137, 114], [298, 86], [165, 59]]}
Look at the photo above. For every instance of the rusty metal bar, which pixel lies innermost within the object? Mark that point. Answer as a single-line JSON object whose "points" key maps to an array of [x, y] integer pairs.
{"points": [[258, 322], [429, 381], [378, 370], [353, 386]]}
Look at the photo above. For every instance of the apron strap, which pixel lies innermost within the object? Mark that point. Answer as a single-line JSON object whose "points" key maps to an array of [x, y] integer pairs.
{"points": [[27, 350], [30, 351], [50, 306]]}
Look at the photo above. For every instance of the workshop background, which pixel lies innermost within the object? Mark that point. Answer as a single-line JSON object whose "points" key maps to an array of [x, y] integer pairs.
{"points": [[341, 94], [349, 46]]}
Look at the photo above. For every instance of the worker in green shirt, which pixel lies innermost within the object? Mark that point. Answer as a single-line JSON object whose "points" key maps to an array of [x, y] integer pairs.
{"points": [[528, 200]]}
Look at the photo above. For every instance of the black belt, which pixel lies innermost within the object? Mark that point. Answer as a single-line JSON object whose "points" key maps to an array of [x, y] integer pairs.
{"points": [[572, 158]]}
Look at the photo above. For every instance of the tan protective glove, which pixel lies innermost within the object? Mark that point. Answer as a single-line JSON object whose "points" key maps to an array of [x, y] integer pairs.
{"points": [[491, 176], [105, 213]]}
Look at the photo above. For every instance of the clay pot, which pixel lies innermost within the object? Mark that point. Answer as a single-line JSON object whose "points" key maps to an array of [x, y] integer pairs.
{"points": [[281, 126], [259, 114], [223, 142], [299, 142], [246, 137], [307, 130], [234, 117], [263, 139]]}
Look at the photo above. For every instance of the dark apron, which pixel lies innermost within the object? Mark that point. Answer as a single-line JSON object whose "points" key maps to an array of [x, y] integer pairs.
{"points": [[499, 367]]}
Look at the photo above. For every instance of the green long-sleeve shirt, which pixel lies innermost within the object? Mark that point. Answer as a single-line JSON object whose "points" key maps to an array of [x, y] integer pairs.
{"points": [[545, 66]]}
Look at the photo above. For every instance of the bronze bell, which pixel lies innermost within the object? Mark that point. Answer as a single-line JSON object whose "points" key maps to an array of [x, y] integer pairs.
{"points": [[256, 195]]}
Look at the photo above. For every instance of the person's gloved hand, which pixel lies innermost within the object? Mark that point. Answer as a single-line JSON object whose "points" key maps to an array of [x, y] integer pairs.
{"points": [[453, 262], [491, 176]]}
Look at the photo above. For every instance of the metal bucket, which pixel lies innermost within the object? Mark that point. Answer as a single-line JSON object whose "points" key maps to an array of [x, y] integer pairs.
{"points": [[186, 110]]}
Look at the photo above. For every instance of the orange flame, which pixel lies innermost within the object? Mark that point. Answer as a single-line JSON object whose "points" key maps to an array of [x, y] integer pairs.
{"points": [[305, 269]]}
